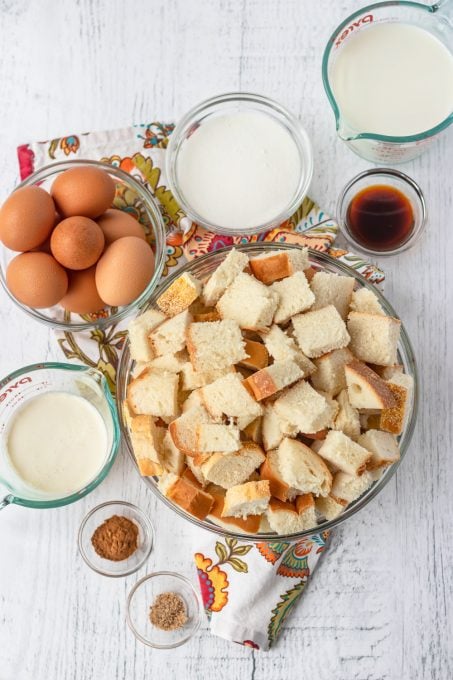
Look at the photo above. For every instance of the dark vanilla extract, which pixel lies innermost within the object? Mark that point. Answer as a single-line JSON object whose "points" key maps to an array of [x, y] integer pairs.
{"points": [[380, 217]]}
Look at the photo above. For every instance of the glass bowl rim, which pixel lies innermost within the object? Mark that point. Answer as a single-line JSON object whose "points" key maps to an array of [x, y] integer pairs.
{"points": [[296, 129], [382, 173], [367, 496], [11, 498], [191, 588], [155, 216], [149, 531]]}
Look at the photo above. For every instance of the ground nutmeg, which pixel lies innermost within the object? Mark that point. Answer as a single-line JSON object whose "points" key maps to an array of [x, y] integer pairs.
{"points": [[116, 538], [168, 612]]}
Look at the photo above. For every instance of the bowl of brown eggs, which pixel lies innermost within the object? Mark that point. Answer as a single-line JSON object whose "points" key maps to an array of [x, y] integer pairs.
{"points": [[82, 245]]}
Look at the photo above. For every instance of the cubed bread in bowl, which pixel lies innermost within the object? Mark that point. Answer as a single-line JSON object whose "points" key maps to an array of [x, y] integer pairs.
{"points": [[234, 263], [251, 498], [374, 337], [320, 331], [294, 296], [214, 345], [332, 289], [344, 453], [249, 302], [180, 295]]}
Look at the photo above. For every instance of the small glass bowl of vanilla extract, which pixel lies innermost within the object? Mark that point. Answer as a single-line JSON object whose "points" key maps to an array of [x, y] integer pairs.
{"points": [[381, 212]]}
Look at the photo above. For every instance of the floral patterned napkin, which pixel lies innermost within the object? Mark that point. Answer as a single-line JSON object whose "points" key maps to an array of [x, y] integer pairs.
{"points": [[248, 589]]}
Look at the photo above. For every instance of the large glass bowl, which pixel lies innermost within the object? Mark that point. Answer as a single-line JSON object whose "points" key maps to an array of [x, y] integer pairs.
{"points": [[130, 196], [202, 268]]}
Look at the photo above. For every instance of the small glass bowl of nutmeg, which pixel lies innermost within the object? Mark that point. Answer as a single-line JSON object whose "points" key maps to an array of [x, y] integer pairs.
{"points": [[82, 245], [163, 610], [115, 538]]}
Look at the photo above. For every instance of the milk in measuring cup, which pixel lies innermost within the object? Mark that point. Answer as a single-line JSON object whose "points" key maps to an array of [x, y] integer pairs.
{"points": [[393, 79]]}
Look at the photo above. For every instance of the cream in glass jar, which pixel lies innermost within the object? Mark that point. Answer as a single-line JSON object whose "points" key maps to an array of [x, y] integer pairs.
{"points": [[57, 442]]}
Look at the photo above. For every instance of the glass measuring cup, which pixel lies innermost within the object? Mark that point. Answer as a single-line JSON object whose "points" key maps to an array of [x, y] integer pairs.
{"points": [[30, 381], [436, 19]]}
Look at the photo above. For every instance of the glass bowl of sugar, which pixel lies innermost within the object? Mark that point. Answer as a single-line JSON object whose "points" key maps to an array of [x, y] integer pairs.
{"points": [[239, 163]]}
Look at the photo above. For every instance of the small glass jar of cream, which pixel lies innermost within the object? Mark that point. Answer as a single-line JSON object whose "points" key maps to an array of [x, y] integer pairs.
{"points": [[239, 163]]}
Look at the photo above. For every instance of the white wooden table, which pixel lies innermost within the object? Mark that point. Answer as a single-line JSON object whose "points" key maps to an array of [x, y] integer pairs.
{"points": [[380, 606]]}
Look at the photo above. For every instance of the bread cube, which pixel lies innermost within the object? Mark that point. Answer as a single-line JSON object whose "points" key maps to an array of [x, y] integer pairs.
{"points": [[193, 472], [257, 356], [251, 498], [139, 330], [332, 289], [169, 362], [305, 408], [274, 266], [173, 460], [329, 507], [364, 300], [347, 488], [250, 525], [394, 419], [330, 375], [320, 331], [229, 469], [192, 499], [192, 380], [294, 296], [146, 439], [212, 437], [228, 397], [281, 347], [291, 518], [180, 294], [170, 336], [374, 337], [344, 453], [249, 302], [348, 418], [302, 469], [366, 390], [274, 428], [234, 263], [272, 379], [383, 446], [215, 345], [270, 470], [183, 430], [271, 267], [154, 393]]}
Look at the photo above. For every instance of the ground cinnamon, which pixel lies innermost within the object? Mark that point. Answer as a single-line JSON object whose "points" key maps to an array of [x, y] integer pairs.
{"points": [[168, 612], [116, 538]]}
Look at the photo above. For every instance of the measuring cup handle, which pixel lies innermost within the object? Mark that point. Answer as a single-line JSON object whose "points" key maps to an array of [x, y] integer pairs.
{"points": [[6, 501]]}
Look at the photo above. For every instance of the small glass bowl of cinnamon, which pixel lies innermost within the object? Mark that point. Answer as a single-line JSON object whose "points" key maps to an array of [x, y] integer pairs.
{"points": [[115, 538], [163, 610]]}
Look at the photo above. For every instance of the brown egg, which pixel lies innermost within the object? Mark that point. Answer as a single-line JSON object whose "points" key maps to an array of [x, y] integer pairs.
{"points": [[124, 270], [36, 279], [85, 190], [116, 223], [26, 218], [77, 242], [82, 296]]}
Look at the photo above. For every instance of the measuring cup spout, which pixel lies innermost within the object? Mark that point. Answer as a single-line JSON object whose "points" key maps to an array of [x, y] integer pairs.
{"points": [[345, 131]]}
